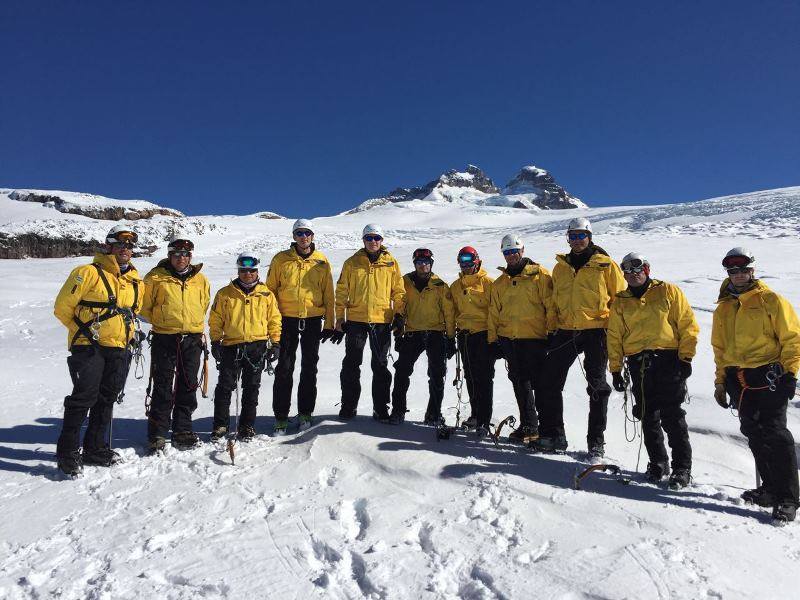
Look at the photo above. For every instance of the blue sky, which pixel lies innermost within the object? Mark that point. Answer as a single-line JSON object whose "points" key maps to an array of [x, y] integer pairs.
{"points": [[308, 108]]}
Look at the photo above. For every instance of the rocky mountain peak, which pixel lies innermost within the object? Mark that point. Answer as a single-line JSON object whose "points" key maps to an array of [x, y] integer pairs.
{"points": [[549, 194]]}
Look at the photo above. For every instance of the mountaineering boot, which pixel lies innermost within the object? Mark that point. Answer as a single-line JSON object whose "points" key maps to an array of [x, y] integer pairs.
{"points": [[481, 432], [305, 422], [70, 464], [397, 418], [679, 479], [656, 471], [246, 433], [432, 419], [280, 428], [380, 418], [156, 445], [218, 433], [784, 512], [185, 440], [759, 497], [470, 423], [596, 450], [101, 457], [523, 435], [346, 414], [549, 445]]}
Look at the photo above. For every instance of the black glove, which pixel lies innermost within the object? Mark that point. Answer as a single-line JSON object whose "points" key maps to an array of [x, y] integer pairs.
{"points": [[496, 351], [398, 325], [636, 411], [274, 352], [326, 334], [618, 381], [685, 368], [788, 385], [216, 351], [337, 337], [398, 342], [450, 347]]}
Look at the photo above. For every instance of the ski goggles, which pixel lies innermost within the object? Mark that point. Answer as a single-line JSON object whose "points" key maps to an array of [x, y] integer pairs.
{"points": [[185, 245], [422, 255], [303, 233], [372, 238], [633, 267], [125, 245], [736, 261], [510, 251], [123, 236], [247, 262], [737, 270], [181, 253], [577, 235], [467, 261]]}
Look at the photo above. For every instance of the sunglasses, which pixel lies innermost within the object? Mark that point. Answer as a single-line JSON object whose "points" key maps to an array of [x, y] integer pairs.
{"points": [[423, 261], [737, 270], [303, 233], [121, 245], [580, 235], [181, 253], [372, 238], [510, 251], [246, 270]]}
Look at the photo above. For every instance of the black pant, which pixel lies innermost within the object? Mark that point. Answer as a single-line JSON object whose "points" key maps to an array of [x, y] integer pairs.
{"points": [[175, 362], [563, 349], [409, 348], [380, 340], [478, 363], [245, 362], [308, 339], [525, 364], [659, 390], [762, 419], [98, 375]]}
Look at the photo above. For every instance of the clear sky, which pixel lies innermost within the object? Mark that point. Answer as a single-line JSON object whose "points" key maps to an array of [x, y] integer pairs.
{"points": [[309, 108]]}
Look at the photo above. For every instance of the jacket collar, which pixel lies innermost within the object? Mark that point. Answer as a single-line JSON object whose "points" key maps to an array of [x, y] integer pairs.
{"points": [[259, 287], [529, 270], [296, 255], [384, 258], [431, 280], [164, 263], [725, 293], [109, 264], [472, 278], [654, 283], [598, 258]]}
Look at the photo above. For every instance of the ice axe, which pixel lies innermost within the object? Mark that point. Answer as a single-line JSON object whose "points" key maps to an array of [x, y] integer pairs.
{"points": [[581, 475]]}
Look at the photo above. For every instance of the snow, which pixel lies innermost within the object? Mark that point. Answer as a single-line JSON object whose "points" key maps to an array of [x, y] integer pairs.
{"points": [[363, 510]]}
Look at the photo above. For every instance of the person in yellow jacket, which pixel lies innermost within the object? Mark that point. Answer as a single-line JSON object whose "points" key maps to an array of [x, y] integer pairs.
{"points": [[245, 328], [429, 327], [370, 298], [175, 303], [471, 293], [518, 314], [652, 329], [301, 279], [585, 283], [98, 305], [756, 339]]}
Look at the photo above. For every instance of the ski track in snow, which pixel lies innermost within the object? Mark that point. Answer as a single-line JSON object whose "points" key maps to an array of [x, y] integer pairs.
{"points": [[363, 510]]}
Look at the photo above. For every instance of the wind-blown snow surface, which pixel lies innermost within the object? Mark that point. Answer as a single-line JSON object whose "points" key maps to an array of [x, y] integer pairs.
{"points": [[363, 510]]}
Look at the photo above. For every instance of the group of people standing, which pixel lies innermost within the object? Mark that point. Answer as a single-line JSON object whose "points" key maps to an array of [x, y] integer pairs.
{"points": [[616, 316]]}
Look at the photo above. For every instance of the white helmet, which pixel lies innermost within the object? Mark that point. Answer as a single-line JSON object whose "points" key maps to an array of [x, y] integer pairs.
{"points": [[579, 224], [247, 260], [511, 241], [121, 233], [302, 224], [636, 260], [372, 229], [738, 257]]}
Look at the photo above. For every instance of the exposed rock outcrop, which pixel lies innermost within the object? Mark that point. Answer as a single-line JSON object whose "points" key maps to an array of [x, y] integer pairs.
{"points": [[98, 210]]}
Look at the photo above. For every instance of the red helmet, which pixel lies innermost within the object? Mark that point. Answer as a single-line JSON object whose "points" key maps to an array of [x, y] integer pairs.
{"points": [[468, 257]]}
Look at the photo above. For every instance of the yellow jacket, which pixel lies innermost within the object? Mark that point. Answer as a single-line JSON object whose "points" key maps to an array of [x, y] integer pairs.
{"points": [[582, 300], [172, 305], [660, 320], [519, 306], [431, 309], [757, 328], [84, 284], [370, 292], [239, 318], [303, 286], [471, 301]]}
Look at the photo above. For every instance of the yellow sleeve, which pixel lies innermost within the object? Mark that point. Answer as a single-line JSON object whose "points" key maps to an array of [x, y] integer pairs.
{"points": [[787, 330], [274, 321], [148, 298], [273, 275], [615, 282], [614, 336], [398, 290], [328, 297], [494, 315], [342, 291], [686, 324], [69, 296], [449, 311], [546, 294], [216, 319], [718, 344]]}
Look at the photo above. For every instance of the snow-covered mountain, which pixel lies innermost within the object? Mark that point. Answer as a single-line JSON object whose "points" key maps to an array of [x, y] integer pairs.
{"points": [[533, 188]]}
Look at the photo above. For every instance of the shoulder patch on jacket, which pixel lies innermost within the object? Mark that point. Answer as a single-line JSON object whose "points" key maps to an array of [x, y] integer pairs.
{"points": [[320, 261], [79, 278], [438, 283], [390, 263]]}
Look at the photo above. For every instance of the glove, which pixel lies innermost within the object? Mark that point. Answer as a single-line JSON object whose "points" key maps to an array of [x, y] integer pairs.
{"points": [[398, 325], [326, 334], [636, 411], [337, 337], [720, 396], [788, 385], [216, 351], [618, 382], [274, 352], [685, 368], [398, 342], [496, 351], [450, 347]]}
